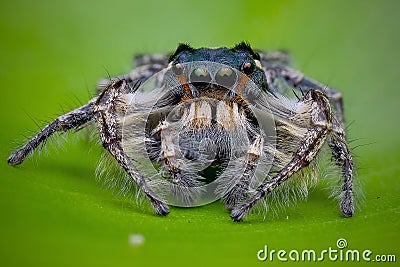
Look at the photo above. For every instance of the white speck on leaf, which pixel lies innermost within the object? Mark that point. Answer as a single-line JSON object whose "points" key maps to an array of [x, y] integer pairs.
{"points": [[136, 240]]}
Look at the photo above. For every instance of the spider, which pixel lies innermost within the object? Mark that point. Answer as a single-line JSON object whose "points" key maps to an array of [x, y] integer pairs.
{"points": [[240, 118]]}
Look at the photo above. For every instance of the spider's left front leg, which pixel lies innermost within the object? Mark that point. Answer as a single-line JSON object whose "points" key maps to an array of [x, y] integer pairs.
{"points": [[320, 126], [108, 112]]}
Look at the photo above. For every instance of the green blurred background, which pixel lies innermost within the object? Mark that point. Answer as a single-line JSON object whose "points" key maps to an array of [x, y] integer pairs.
{"points": [[52, 53]]}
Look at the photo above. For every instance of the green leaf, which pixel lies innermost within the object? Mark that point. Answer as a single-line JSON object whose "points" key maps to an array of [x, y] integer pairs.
{"points": [[52, 53]]}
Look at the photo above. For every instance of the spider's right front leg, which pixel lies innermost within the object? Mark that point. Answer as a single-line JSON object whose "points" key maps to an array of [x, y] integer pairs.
{"points": [[107, 106], [75, 119]]}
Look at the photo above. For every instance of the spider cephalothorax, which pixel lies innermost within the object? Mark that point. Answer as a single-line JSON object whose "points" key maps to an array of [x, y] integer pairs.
{"points": [[225, 120]]}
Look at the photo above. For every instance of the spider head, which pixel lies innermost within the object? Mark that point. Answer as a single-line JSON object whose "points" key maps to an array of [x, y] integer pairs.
{"points": [[229, 60]]}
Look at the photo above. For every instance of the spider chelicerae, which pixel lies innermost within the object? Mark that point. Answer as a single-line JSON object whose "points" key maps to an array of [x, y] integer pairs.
{"points": [[235, 122]]}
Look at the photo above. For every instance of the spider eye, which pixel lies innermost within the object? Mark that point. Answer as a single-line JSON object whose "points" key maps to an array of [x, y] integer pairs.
{"points": [[226, 77], [248, 68], [200, 75], [177, 69]]}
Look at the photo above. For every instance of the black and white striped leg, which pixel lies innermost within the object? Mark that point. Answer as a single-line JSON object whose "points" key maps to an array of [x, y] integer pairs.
{"points": [[108, 123], [320, 126], [72, 120], [344, 160]]}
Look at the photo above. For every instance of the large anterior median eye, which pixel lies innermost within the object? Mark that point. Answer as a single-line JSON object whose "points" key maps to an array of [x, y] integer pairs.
{"points": [[200, 75], [200, 78], [226, 77]]}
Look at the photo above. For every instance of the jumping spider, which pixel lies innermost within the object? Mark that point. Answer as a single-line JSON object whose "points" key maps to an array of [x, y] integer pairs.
{"points": [[216, 97]]}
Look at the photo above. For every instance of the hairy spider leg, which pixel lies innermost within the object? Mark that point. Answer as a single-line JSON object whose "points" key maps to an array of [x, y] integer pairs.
{"points": [[74, 119], [343, 158], [337, 140], [314, 139], [108, 123]]}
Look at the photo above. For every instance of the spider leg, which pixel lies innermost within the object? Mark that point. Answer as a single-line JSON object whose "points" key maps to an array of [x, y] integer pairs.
{"points": [[343, 159], [274, 57], [74, 119], [139, 74], [108, 122], [337, 141], [150, 59], [320, 127], [297, 79], [146, 66], [239, 190]]}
